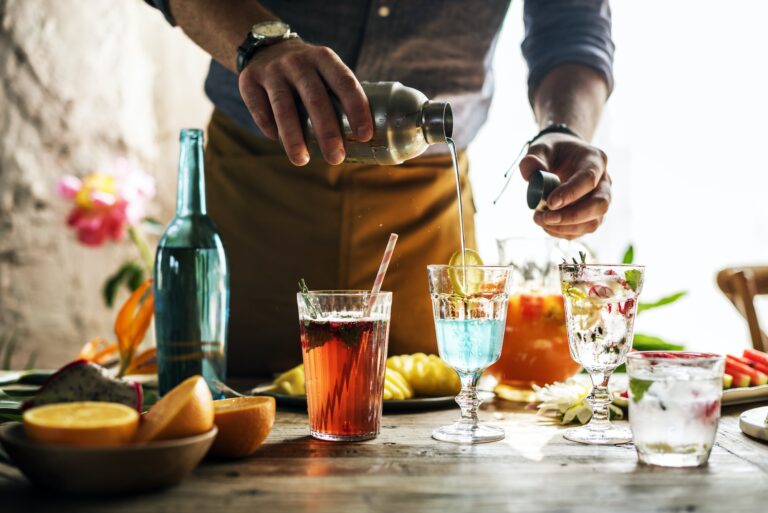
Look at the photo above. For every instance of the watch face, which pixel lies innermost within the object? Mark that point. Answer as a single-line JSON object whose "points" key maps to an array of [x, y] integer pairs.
{"points": [[270, 29]]}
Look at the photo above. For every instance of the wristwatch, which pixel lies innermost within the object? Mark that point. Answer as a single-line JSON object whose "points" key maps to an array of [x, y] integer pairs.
{"points": [[262, 34]]}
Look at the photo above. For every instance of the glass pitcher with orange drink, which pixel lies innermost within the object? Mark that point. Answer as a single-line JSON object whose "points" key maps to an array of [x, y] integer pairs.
{"points": [[535, 349]]}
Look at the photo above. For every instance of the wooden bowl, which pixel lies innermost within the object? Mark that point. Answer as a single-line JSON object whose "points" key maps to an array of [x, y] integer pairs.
{"points": [[104, 470]]}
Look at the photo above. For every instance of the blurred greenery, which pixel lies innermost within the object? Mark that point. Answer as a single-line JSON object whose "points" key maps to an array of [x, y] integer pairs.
{"points": [[130, 274], [629, 255], [645, 342], [9, 343]]}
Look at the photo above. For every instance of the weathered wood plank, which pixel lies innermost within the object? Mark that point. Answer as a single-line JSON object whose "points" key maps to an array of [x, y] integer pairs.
{"points": [[534, 470]]}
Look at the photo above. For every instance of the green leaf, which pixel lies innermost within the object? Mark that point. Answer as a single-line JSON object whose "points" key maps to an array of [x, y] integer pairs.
{"points": [[638, 387], [130, 273], [666, 300], [633, 278], [313, 311], [629, 255], [17, 391], [9, 417], [643, 342], [34, 377]]}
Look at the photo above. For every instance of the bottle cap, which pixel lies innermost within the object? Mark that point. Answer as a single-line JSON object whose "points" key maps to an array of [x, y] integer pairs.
{"points": [[436, 121], [540, 184]]}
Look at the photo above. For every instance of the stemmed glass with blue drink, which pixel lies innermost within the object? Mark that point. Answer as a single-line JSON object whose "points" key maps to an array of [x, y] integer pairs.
{"points": [[470, 308]]}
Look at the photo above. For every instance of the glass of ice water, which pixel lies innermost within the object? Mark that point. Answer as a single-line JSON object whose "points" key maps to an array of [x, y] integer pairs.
{"points": [[674, 406], [600, 309]]}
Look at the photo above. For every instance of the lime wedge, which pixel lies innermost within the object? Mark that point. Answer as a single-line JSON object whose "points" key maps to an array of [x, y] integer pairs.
{"points": [[465, 281]]}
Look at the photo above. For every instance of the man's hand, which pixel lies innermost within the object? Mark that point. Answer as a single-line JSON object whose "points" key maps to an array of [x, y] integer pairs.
{"points": [[578, 205], [292, 70]]}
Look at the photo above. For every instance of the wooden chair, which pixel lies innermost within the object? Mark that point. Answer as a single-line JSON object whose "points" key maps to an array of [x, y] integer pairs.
{"points": [[741, 285]]}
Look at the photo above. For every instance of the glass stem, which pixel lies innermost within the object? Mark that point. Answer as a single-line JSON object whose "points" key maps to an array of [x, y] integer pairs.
{"points": [[599, 399], [468, 399]]}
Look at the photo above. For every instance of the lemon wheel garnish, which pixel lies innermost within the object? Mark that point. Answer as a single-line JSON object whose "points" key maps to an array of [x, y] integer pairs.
{"points": [[464, 278]]}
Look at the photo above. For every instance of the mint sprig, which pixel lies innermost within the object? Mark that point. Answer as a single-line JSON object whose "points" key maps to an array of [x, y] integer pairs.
{"points": [[305, 295], [633, 278], [638, 387]]}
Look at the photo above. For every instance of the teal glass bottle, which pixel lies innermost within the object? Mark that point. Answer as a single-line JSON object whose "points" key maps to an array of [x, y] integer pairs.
{"points": [[191, 282]]}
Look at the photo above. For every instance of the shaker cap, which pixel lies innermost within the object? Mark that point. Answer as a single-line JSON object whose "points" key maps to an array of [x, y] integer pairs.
{"points": [[436, 121], [540, 184]]}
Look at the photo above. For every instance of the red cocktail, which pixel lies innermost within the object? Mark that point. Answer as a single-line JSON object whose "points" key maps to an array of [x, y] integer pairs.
{"points": [[344, 348]]}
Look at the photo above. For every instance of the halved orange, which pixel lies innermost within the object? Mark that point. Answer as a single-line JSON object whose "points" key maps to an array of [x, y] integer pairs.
{"points": [[186, 410], [82, 424], [244, 423]]}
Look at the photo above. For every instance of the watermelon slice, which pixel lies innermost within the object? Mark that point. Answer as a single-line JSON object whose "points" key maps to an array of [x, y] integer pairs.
{"points": [[739, 380], [739, 359], [756, 356], [760, 366], [756, 377]]}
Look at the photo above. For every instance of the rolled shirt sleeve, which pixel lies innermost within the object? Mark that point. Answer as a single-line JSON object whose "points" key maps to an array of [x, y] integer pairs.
{"points": [[164, 7], [567, 31]]}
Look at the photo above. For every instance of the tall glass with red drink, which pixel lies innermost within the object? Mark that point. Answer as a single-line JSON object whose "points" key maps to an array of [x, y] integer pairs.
{"points": [[344, 336]]}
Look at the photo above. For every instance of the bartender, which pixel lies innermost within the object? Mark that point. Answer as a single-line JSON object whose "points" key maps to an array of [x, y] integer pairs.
{"points": [[283, 216]]}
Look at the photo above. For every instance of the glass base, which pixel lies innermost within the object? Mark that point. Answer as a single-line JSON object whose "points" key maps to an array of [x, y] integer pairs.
{"points": [[343, 438], [461, 433], [610, 435], [668, 459]]}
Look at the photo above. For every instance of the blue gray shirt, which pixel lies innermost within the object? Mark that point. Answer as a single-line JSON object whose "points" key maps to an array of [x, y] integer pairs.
{"points": [[443, 48]]}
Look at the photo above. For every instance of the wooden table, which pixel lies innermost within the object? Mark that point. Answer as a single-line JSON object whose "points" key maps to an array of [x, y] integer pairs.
{"points": [[404, 470]]}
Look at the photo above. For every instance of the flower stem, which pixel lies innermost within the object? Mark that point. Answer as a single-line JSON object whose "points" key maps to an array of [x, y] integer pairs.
{"points": [[137, 236]]}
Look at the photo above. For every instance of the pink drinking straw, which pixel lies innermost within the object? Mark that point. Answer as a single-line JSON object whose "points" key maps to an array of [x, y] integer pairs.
{"points": [[382, 271]]}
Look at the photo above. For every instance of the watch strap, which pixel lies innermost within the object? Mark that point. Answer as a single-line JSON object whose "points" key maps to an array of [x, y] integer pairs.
{"points": [[251, 44], [246, 50], [555, 128]]}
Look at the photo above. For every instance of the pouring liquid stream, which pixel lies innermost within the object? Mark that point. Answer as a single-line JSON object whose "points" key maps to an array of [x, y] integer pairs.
{"points": [[455, 160]]}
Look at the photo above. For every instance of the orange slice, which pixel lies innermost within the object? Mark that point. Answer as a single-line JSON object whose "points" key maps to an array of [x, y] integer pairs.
{"points": [[187, 410], [244, 423], [82, 424]]}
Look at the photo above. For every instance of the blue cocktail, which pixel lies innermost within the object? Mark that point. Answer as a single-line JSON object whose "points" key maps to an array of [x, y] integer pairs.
{"points": [[469, 345], [470, 307]]}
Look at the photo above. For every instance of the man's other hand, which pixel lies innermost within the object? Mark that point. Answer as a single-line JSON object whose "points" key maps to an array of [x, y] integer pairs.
{"points": [[579, 204]]}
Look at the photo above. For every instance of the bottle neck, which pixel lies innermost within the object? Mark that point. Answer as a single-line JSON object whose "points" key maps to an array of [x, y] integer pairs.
{"points": [[191, 194]]}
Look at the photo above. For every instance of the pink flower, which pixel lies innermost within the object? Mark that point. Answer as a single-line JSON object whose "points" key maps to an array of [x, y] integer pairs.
{"points": [[107, 202]]}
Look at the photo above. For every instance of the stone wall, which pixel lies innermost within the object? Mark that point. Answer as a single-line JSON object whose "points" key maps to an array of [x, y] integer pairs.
{"points": [[81, 83]]}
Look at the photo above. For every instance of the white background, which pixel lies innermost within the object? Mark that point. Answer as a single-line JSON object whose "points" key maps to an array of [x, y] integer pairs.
{"points": [[686, 132]]}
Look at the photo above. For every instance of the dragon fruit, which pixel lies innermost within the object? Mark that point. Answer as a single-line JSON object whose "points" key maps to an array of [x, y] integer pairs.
{"points": [[82, 380]]}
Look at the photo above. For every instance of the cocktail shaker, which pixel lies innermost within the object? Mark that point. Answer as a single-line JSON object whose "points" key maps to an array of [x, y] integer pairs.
{"points": [[405, 124]]}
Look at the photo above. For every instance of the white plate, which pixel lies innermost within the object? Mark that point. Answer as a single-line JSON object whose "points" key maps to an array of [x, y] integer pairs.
{"points": [[752, 423], [745, 395]]}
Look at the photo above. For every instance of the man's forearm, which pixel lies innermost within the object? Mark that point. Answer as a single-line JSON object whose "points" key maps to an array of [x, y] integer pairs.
{"points": [[572, 94], [219, 27]]}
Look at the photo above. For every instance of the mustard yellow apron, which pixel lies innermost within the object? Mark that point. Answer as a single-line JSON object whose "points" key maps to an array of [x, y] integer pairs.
{"points": [[328, 225]]}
